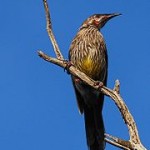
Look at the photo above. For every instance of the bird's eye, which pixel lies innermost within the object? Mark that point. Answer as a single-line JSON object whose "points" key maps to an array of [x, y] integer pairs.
{"points": [[96, 22]]}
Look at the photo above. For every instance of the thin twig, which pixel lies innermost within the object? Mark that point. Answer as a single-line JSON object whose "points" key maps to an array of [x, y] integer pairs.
{"points": [[117, 142], [50, 32]]}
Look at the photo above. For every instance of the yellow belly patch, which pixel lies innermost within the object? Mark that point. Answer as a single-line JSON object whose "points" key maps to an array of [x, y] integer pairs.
{"points": [[87, 65], [90, 67]]}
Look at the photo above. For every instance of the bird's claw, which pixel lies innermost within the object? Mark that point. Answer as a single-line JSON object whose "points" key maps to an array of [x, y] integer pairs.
{"points": [[68, 65], [99, 84]]}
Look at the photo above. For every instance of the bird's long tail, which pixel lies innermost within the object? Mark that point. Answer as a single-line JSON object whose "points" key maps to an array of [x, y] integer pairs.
{"points": [[94, 127]]}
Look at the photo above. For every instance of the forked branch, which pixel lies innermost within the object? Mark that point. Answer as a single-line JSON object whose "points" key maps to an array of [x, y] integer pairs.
{"points": [[134, 142]]}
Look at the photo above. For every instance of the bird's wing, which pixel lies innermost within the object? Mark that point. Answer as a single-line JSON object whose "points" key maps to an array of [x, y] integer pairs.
{"points": [[79, 98]]}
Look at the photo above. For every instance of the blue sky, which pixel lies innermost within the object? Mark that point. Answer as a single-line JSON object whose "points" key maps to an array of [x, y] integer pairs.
{"points": [[37, 103]]}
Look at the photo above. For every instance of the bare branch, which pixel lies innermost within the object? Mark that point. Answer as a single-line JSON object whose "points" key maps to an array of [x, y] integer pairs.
{"points": [[117, 86], [117, 142], [127, 117], [72, 69]]}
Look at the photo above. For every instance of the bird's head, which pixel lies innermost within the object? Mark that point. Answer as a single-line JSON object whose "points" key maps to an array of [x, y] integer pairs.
{"points": [[98, 20]]}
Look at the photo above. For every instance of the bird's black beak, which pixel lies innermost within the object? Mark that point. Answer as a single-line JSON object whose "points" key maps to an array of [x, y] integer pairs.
{"points": [[110, 16], [107, 17]]}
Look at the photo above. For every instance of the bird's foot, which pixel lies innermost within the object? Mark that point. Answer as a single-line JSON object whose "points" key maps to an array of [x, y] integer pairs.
{"points": [[68, 65], [99, 84]]}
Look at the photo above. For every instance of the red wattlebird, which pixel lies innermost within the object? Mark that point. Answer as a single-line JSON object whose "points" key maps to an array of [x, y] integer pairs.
{"points": [[88, 53]]}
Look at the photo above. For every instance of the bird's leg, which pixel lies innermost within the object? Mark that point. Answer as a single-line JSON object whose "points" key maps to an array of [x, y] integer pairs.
{"points": [[68, 65], [99, 84]]}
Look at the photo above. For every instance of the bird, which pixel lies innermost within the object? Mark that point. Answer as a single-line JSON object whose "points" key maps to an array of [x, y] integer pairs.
{"points": [[88, 53]]}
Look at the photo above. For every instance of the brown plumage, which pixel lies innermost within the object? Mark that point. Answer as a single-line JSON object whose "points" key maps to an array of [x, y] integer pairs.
{"points": [[89, 54]]}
